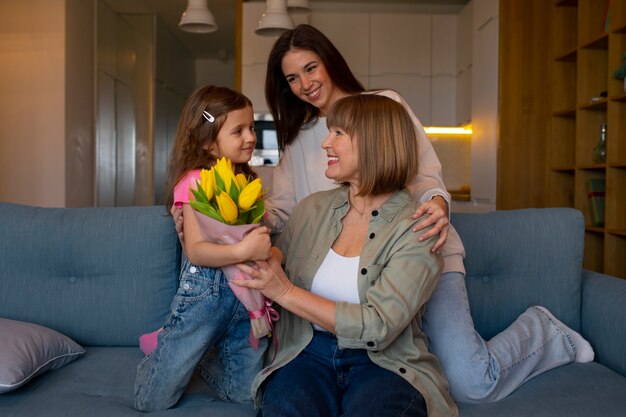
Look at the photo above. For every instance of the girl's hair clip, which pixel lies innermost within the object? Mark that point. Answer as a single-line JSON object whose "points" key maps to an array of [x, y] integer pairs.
{"points": [[208, 116]]}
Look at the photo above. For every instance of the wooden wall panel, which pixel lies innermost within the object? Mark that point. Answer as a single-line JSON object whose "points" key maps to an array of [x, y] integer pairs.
{"points": [[524, 104]]}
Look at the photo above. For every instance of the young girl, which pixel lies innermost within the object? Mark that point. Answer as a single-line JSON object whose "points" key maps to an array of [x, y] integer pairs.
{"points": [[205, 315]]}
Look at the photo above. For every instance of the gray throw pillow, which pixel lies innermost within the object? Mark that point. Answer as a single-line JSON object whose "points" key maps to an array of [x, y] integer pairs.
{"points": [[28, 350]]}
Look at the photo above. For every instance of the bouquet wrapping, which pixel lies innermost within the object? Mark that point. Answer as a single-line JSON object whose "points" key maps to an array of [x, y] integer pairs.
{"points": [[227, 207]]}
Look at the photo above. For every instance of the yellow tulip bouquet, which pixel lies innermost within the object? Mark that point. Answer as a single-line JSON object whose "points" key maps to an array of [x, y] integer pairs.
{"points": [[228, 198], [227, 207]]}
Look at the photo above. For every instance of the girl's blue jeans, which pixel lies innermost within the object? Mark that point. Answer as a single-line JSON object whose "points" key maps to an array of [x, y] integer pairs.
{"points": [[325, 381], [480, 370], [205, 317]]}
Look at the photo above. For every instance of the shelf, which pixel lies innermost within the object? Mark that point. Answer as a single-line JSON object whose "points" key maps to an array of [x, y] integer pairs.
{"points": [[601, 42], [599, 104], [566, 3], [592, 167], [568, 56], [565, 113], [619, 97], [581, 70], [564, 168]]}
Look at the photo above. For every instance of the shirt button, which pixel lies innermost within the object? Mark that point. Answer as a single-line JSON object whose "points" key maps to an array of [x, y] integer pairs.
{"points": [[186, 286], [370, 344], [375, 213], [402, 370], [193, 269], [363, 271], [372, 235]]}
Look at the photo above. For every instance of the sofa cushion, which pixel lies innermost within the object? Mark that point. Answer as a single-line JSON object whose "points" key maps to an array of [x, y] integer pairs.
{"points": [[101, 384], [604, 311], [28, 350], [100, 276], [574, 390], [519, 258]]}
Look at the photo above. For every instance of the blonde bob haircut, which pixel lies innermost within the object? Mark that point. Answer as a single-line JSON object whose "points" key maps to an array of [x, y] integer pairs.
{"points": [[386, 141]]}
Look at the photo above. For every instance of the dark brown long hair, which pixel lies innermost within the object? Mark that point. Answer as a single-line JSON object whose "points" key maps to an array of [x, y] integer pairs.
{"points": [[195, 134], [288, 111]]}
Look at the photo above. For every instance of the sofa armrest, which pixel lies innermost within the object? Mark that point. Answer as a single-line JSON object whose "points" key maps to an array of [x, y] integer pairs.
{"points": [[604, 318]]}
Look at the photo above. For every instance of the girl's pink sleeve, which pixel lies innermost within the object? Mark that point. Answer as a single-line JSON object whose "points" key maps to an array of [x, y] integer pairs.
{"points": [[181, 190]]}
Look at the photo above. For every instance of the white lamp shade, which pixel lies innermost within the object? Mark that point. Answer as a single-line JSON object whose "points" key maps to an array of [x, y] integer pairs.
{"points": [[275, 20], [298, 6], [197, 18]]}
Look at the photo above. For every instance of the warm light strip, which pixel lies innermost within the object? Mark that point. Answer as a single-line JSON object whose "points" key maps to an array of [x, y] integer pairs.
{"points": [[437, 130]]}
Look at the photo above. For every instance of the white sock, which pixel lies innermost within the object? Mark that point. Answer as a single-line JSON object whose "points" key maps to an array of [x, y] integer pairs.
{"points": [[584, 351]]}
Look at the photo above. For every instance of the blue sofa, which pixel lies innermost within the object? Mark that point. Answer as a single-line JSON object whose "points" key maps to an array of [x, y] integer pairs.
{"points": [[103, 276]]}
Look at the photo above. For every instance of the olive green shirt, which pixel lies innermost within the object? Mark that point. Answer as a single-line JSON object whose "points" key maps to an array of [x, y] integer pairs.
{"points": [[397, 275]]}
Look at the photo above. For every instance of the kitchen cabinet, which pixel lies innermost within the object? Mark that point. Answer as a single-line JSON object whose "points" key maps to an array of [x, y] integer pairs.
{"points": [[401, 56], [400, 44], [354, 44], [412, 53], [414, 88], [444, 79]]}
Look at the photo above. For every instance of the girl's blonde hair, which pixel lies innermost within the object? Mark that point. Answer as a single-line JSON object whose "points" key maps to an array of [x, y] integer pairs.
{"points": [[386, 140], [202, 118]]}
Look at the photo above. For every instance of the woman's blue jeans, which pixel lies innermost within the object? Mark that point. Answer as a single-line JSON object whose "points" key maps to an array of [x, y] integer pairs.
{"points": [[480, 370], [325, 381], [205, 316]]}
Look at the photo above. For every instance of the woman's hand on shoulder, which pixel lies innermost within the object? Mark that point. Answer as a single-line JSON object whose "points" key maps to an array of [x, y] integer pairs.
{"points": [[437, 208], [256, 245]]}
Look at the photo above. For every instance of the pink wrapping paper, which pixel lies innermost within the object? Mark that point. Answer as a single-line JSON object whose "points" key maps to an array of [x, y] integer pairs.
{"points": [[258, 306]]}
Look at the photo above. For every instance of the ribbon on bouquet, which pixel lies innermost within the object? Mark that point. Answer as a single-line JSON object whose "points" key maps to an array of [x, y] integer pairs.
{"points": [[271, 315]]}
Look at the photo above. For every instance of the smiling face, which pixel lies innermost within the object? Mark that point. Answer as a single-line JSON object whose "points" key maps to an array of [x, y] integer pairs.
{"points": [[308, 79], [236, 139], [342, 152]]}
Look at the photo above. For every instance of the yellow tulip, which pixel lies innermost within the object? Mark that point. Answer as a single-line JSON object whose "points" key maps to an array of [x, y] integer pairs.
{"points": [[207, 182], [242, 181], [225, 169], [250, 194], [227, 207], [225, 163]]}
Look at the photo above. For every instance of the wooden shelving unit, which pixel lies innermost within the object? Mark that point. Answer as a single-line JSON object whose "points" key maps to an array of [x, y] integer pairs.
{"points": [[585, 95]]}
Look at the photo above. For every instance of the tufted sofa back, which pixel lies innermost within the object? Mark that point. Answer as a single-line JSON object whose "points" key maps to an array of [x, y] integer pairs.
{"points": [[518, 258], [102, 276]]}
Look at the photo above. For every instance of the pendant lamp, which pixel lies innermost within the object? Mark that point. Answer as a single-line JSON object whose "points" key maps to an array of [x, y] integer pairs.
{"points": [[197, 18], [298, 6], [275, 19]]}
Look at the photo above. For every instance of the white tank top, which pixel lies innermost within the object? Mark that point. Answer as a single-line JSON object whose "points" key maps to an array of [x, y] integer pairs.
{"points": [[336, 279]]}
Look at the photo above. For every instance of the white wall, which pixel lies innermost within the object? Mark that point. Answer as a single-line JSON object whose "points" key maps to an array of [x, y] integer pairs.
{"points": [[32, 103], [216, 72], [485, 102], [479, 22]]}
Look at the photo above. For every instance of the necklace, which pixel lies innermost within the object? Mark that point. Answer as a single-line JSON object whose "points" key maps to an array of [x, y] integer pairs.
{"points": [[377, 203], [352, 205]]}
